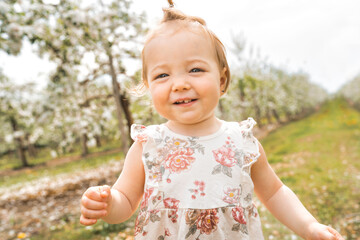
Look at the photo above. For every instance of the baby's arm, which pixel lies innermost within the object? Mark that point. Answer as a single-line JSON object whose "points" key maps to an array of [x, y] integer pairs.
{"points": [[119, 203], [284, 204], [129, 187]]}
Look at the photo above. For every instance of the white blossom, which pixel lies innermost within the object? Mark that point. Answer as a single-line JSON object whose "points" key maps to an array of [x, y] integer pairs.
{"points": [[9, 138]]}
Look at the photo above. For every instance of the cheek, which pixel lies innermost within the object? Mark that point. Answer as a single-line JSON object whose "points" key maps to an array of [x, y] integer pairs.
{"points": [[210, 88], [158, 94]]}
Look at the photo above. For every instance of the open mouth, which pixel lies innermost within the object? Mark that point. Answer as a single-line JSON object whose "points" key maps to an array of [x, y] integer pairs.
{"points": [[185, 101]]}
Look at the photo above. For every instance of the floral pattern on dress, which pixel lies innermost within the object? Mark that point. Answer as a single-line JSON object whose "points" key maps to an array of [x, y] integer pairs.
{"points": [[199, 189], [250, 158], [141, 221], [167, 233], [239, 216], [205, 220], [177, 156], [247, 127], [179, 160], [153, 215], [226, 157], [146, 197], [169, 213], [140, 136], [155, 168], [173, 204], [232, 195]]}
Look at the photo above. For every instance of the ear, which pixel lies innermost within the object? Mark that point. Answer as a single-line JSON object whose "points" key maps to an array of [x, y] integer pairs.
{"points": [[223, 80]]}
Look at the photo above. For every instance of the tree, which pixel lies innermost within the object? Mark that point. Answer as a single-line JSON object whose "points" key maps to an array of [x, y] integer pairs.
{"points": [[72, 33], [16, 118], [266, 92], [351, 91]]}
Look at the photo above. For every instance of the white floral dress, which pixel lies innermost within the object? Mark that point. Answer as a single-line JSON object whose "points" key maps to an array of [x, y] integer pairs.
{"points": [[198, 187]]}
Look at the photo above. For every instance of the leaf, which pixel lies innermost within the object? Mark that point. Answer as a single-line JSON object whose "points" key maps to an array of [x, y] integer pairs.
{"points": [[161, 237], [248, 197], [149, 165], [243, 229], [154, 217], [227, 171], [192, 231], [236, 227], [217, 169]]}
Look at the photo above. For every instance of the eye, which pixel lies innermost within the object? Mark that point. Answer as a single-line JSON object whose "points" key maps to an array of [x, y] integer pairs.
{"points": [[195, 70], [161, 75]]}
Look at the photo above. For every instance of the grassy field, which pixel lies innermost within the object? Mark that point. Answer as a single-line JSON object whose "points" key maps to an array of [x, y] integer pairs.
{"points": [[317, 157]]}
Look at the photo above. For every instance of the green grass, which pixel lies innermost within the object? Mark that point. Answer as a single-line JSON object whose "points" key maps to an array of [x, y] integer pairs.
{"points": [[319, 159], [81, 164], [73, 230], [11, 161]]}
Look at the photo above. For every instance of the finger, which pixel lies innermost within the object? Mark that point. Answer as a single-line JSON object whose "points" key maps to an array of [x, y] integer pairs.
{"points": [[335, 233], [94, 194], [105, 191], [326, 235], [93, 214], [93, 205], [87, 221]]}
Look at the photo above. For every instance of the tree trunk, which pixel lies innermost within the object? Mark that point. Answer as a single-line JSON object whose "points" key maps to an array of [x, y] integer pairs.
{"points": [[241, 85], [98, 141], [258, 116], [268, 116], [276, 115], [84, 147], [125, 104], [20, 145], [30, 147], [289, 116], [257, 110], [116, 91]]}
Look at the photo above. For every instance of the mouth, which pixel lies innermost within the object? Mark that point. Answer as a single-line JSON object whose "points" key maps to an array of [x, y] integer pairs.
{"points": [[184, 101]]}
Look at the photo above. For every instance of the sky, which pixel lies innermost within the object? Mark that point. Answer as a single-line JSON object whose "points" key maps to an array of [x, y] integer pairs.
{"points": [[320, 37]]}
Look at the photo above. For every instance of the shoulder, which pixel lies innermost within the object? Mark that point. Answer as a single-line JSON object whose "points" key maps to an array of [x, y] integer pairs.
{"points": [[245, 126], [244, 131], [141, 133]]}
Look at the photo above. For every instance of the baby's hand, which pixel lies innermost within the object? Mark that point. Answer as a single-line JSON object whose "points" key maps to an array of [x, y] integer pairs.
{"points": [[319, 231], [94, 204]]}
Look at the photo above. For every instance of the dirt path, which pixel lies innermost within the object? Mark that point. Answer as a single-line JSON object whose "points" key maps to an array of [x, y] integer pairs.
{"points": [[46, 202]]}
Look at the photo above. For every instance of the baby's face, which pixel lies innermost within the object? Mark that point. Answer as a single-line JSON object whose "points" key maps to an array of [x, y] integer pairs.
{"points": [[183, 75]]}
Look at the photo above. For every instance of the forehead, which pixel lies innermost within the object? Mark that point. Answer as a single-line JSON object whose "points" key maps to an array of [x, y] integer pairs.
{"points": [[172, 27], [179, 34]]}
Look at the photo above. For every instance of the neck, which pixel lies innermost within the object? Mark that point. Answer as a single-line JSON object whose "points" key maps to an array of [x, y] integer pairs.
{"points": [[203, 128]]}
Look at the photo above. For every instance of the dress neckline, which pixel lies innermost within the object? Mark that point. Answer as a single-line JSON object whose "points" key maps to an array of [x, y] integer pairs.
{"points": [[199, 138]]}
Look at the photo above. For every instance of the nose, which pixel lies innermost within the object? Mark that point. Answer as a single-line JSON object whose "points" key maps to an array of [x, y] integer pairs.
{"points": [[180, 83]]}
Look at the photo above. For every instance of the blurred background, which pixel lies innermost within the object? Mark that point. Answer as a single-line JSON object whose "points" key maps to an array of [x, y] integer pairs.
{"points": [[68, 67]]}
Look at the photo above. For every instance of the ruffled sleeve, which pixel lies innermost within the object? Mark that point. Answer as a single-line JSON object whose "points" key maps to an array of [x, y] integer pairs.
{"points": [[250, 143], [139, 133]]}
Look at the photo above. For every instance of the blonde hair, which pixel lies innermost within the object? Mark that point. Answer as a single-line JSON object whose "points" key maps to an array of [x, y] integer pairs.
{"points": [[171, 14]]}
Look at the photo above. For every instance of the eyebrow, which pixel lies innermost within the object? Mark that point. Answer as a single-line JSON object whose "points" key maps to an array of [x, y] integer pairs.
{"points": [[198, 60], [164, 65]]}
